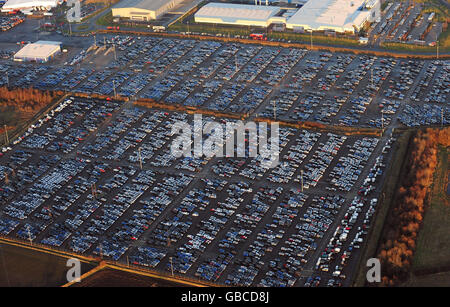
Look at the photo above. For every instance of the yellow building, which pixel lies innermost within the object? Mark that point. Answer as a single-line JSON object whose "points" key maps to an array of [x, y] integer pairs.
{"points": [[143, 10]]}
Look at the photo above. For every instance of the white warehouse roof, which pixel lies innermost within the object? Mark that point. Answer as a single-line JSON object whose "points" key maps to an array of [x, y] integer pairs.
{"points": [[151, 5], [40, 50], [23, 4], [338, 15], [239, 14]]}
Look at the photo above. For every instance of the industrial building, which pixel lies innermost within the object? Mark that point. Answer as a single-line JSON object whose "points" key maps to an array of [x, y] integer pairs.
{"points": [[143, 10], [336, 15], [317, 15], [12, 5], [40, 51], [239, 14]]}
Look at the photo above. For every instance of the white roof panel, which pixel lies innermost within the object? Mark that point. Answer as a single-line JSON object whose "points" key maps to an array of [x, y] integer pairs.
{"points": [[332, 14], [237, 11], [19, 4], [39, 49], [151, 5]]}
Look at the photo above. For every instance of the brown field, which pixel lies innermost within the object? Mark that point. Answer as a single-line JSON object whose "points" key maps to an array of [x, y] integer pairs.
{"points": [[21, 267], [113, 278], [18, 107], [431, 280]]}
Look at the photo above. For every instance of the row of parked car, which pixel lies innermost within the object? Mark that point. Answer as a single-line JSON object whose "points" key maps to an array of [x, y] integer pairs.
{"points": [[441, 85], [93, 197], [348, 168], [280, 66], [404, 79], [7, 23], [425, 115], [234, 67], [24, 75], [348, 237], [316, 166], [294, 157], [52, 80]]}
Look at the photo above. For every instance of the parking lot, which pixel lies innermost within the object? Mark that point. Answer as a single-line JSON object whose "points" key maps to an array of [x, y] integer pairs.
{"points": [[406, 22], [8, 22], [282, 83], [74, 179], [75, 182]]}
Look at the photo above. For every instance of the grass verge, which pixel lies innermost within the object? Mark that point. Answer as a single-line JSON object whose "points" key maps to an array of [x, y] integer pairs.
{"points": [[441, 279], [320, 39], [105, 20], [82, 27], [433, 245]]}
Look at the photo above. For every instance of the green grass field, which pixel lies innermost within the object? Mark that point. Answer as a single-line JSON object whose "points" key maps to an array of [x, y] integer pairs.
{"points": [[433, 244], [412, 48], [431, 280], [82, 27], [8, 116], [318, 39], [105, 20], [21, 267]]}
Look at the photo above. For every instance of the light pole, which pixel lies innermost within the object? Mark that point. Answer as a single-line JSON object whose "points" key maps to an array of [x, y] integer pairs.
{"points": [[437, 50], [274, 110], [29, 235], [171, 265], [6, 134], [140, 157], [371, 76], [94, 191], [301, 178]]}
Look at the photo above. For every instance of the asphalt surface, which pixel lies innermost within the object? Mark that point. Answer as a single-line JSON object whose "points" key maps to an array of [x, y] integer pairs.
{"points": [[349, 64]]}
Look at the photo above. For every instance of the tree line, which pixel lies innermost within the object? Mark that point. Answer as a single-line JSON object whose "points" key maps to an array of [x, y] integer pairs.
{"points": [[399, 242], [25, 100]]}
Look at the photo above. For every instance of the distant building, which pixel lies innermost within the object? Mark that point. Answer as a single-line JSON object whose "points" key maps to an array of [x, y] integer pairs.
{"points": [[143, 10], [363, 40], [38, 5], [336, 15], [317, 15], [40, 51], [239, 14]]}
